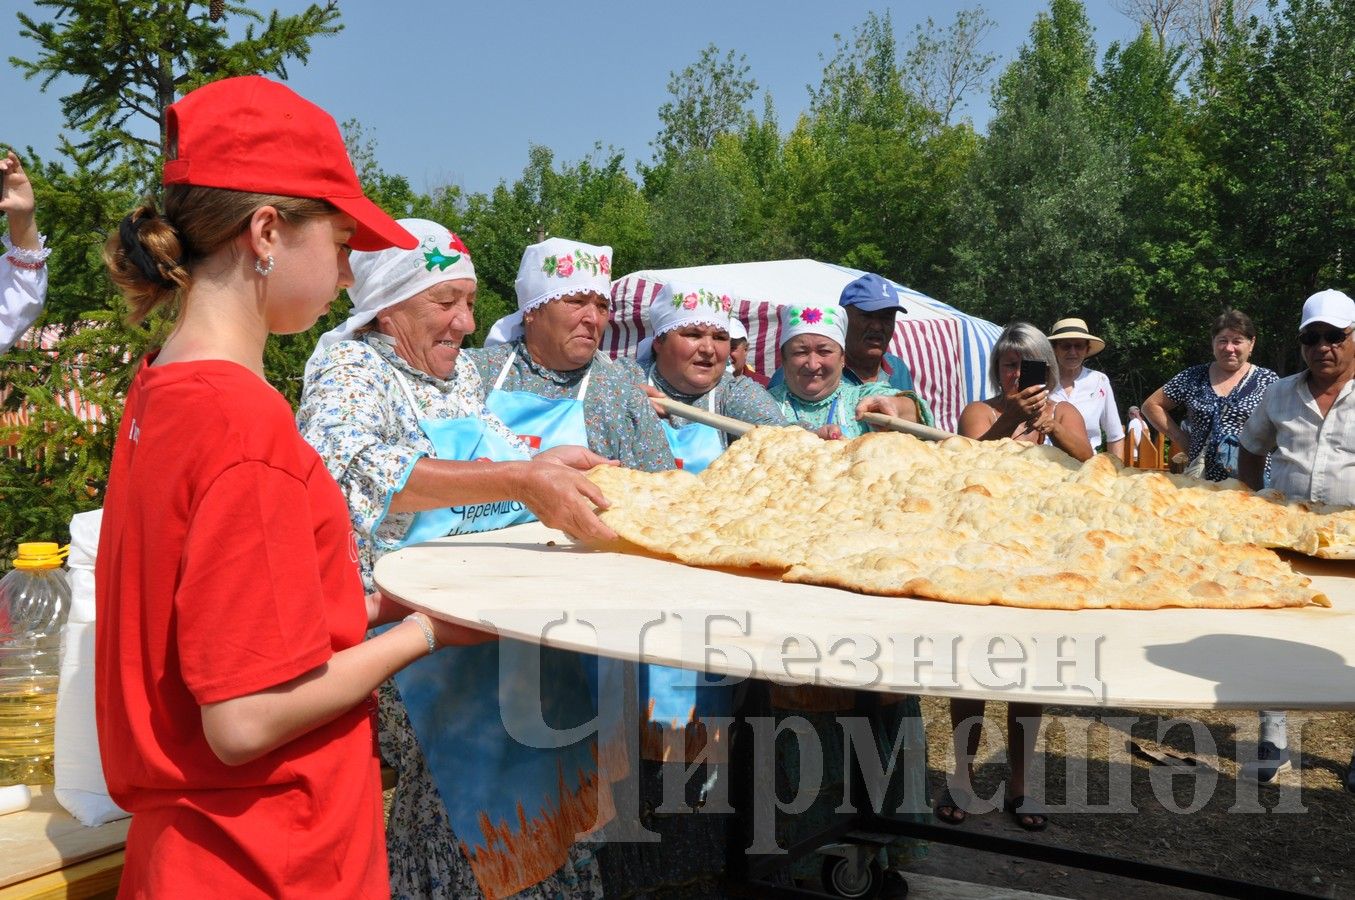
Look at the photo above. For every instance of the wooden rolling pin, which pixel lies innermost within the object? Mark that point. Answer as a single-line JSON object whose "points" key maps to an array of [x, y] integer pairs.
{"points": [[926, 432], [736, 427]]}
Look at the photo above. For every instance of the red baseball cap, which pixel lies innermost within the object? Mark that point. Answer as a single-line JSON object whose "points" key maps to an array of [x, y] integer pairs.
{"points": [[252, 134]]}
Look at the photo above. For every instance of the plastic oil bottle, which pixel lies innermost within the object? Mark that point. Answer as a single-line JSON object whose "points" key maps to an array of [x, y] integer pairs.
{"points": [[34, 602]]}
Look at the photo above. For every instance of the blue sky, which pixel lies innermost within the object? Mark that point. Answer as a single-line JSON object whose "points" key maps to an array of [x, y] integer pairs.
{"points": [[454, 93]]}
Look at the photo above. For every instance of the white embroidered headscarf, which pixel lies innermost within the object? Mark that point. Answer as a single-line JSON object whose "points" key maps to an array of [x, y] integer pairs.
{"points": [[828, 320], [554, 268], [384, 278], [677, 306]]}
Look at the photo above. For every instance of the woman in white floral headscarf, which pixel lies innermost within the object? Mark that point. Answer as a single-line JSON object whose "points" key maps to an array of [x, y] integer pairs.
{"points": [[813, 391], [547, 379], [397, 412], [685, 358]]}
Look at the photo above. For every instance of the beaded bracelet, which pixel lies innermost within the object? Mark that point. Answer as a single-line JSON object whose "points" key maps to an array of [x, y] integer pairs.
{"points": [[30, 266], [427, 630]]}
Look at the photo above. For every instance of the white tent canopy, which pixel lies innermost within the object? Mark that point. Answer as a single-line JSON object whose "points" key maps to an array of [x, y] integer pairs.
{"points": [[946, 350]]}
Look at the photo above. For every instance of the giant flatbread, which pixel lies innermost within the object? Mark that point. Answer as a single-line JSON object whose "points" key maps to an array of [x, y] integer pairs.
{"points": [[997, 522]]}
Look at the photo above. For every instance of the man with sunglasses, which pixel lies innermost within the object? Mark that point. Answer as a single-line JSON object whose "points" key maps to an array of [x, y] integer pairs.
{"points": [[1306, 422]]}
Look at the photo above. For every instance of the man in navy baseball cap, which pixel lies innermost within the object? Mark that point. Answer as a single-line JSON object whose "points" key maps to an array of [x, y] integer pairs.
{"points": [[872, 303]]}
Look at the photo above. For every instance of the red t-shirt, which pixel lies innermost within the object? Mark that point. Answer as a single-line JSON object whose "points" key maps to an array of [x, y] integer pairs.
{"points": [[227, 565]]}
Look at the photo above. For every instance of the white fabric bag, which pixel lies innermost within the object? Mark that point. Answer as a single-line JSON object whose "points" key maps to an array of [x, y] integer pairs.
{"points": [[80, 785]]}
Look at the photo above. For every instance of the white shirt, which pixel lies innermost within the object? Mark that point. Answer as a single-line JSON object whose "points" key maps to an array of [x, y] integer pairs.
{"points": [[1312, 458], [1135, 430], [22, 291], [1093, 397]]}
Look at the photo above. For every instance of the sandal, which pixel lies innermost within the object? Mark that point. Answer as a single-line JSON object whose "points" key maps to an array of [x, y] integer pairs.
{"points": [[954, 813], [1026, 813]]}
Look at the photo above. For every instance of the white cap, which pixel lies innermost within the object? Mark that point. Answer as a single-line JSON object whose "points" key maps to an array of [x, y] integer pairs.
{"points": [[554, 268], [829, 320], [383, 278], [1329, 306], [737, 330]]}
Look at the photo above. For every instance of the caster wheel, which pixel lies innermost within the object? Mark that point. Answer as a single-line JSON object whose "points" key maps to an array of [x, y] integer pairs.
{"points": [[842, 879]]}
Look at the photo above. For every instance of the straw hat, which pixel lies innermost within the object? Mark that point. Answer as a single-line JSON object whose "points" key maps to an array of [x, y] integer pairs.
{"points": [[1076, 329]]}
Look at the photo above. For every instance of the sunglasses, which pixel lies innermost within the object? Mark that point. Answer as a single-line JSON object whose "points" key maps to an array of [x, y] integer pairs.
{"points": [[1329, 335]]}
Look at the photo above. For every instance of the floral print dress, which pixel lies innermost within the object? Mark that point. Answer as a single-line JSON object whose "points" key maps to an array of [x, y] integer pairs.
{"points": [[738, 398], [839, 407], [360, 421], [1216, 422]]}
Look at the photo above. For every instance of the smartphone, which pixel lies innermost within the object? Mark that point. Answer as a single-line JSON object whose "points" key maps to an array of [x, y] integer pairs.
{"points": [[1033, 372]]}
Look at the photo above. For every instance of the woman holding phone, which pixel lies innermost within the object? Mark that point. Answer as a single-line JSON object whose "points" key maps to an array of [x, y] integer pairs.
{"points": [[234, 690], [1022, 370]]}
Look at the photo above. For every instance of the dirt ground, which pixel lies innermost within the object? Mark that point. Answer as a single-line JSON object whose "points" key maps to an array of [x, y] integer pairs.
{"points": [[1295, 834], [1188, 808]]}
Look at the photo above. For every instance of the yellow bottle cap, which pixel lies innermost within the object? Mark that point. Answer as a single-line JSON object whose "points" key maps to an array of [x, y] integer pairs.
{"points": [[41, 555]]}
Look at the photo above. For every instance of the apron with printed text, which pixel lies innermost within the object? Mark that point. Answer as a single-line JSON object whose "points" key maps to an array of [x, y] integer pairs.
{"points": [[467, 438], [514, 808]]}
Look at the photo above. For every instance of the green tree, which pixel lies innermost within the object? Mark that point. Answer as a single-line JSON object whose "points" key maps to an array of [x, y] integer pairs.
{"points": [[1176, 276], [1040, 218], [940, 69], [136, 57], [594, 200], [709, 98], [1277, 132], [132, 58], [869, 171]]}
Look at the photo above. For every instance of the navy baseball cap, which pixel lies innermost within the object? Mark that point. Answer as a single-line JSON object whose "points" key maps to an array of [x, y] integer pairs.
{"points": [[871, 293]]}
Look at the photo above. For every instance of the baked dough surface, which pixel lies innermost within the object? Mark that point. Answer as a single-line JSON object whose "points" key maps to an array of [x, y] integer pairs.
{"points": [[995, 522]]}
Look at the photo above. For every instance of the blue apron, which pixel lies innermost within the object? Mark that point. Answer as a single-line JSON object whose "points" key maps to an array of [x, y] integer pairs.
{"points": [[540, 421], [545, 423], [457, 703], [678, 698], [694, 445], [467, 438]]}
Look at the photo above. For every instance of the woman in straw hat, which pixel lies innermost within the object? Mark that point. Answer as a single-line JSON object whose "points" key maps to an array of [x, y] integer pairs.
{"points": [[1085, 388], [234, 689]]}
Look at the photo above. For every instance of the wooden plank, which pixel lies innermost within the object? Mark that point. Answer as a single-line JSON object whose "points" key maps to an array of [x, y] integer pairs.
{"points": [[1176, 658], [45, 838], [735, 427], [93, 879]]}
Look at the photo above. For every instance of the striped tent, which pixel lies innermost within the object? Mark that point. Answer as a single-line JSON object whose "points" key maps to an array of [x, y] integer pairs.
{"points": [[45, 338], [946, 349]]}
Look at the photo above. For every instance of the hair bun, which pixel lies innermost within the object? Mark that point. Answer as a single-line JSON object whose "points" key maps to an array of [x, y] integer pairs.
{"points": [[129, 230]]}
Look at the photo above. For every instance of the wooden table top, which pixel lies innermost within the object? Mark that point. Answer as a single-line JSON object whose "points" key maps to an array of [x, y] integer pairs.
{"points": [[1181, 658], [44, 838]]}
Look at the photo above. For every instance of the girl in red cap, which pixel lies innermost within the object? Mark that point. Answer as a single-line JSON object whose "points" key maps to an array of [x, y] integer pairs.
{"points": [[234, 687]]}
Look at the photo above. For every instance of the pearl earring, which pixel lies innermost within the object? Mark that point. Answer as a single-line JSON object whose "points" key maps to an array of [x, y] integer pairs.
{"points": [[264, 270]]}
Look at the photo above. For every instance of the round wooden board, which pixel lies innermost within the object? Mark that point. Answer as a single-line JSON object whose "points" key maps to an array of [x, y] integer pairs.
{"points": [[513, 581]]}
